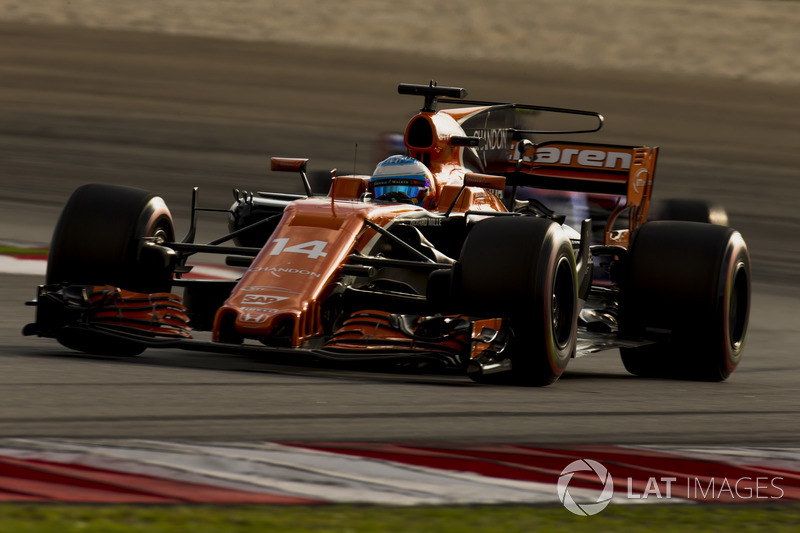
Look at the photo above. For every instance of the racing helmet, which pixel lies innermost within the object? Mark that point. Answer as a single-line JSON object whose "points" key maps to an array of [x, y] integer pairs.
{"points": [[401, 178]]}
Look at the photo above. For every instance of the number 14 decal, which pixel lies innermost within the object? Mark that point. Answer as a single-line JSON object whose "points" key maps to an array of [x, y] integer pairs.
{"points": [[313, 249]]}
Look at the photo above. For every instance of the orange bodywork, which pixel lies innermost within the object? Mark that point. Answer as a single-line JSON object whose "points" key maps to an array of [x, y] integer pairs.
{"points": [[282, 292], [160, 314], [292, 275]]}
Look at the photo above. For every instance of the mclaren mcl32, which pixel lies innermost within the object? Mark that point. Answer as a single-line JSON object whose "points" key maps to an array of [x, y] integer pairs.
{"points": [[481, 249]]}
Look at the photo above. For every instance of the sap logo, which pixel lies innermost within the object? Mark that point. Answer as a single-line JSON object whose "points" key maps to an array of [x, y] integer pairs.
{"points": [[584, 158], [261, 299], [253, 318]]}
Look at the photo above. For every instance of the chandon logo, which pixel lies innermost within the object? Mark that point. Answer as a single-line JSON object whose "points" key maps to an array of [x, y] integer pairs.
{"points": [[493, 139], [585, 508]]}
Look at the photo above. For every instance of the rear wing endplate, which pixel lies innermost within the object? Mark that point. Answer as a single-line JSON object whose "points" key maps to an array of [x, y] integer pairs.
{"points": [[625, 172]]}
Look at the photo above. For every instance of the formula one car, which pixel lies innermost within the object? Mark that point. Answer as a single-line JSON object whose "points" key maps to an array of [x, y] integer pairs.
{"points": [[456, 255]]}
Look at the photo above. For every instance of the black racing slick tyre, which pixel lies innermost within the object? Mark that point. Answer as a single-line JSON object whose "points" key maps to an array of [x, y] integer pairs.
{"points": [[97, 240], [688, 289], [523, 270]]}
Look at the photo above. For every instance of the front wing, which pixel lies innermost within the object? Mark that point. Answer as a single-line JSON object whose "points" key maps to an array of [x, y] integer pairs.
{"points": [[86, 316]]}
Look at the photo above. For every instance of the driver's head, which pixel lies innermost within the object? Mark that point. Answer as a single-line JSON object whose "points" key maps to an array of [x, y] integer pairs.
{"points": [[400, 178]]}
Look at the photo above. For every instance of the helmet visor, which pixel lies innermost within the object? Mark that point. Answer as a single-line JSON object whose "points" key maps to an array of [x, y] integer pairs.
{"points": [[412, 187]]}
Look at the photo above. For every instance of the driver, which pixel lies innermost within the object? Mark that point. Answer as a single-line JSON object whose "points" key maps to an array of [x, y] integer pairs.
{"points": [[401, 178]]}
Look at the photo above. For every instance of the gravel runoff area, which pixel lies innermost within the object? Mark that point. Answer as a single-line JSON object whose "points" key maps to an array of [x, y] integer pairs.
{"points": [[753, 40]]}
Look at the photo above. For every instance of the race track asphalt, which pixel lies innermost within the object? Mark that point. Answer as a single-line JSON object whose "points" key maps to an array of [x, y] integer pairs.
{"points": [[168, 113]]}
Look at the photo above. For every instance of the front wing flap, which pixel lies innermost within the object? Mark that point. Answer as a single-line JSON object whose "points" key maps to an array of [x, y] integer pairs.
{"points": [[104, 315]]}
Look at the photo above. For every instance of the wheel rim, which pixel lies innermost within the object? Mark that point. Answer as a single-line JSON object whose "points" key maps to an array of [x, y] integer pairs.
{"points": [[737, 308], [161, 235], [562, 304]]}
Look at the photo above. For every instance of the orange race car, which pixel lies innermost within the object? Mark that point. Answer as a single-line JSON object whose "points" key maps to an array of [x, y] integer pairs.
{"points": [[459, 254]]}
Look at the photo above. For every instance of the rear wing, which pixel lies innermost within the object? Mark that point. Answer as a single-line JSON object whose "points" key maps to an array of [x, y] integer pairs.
{"points": [[500, 126], [500, 140], [623, 174]]}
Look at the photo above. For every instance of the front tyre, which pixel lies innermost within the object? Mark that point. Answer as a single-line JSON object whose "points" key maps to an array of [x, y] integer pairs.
{"points": [[523, 270], [97, 240], [688, 288]]}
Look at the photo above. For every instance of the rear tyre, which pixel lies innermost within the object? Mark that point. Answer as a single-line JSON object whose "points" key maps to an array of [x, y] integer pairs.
{"points": [[97, 239], [688, 210], [688, 287], [522, 269]]}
